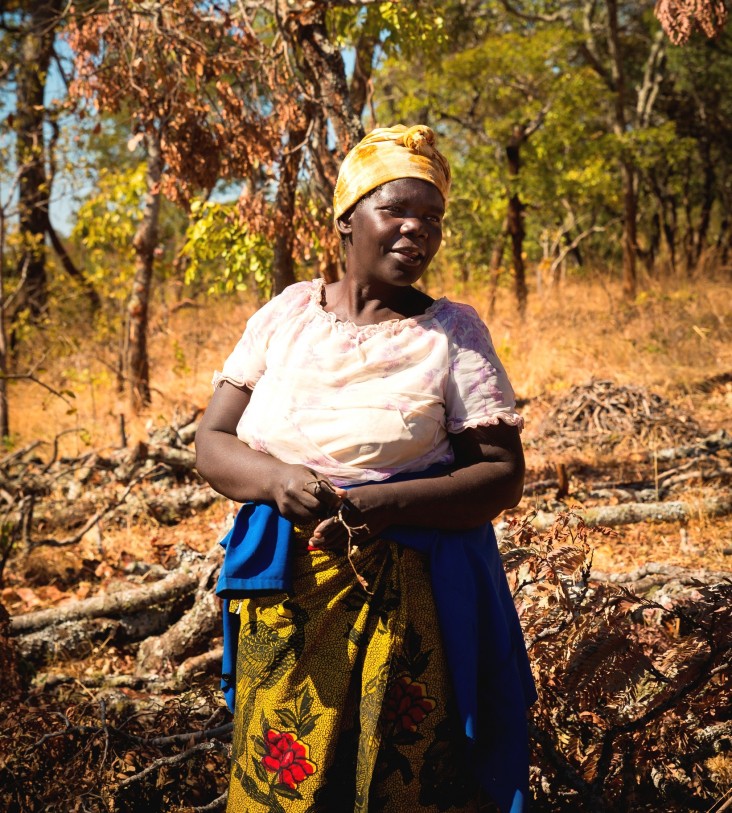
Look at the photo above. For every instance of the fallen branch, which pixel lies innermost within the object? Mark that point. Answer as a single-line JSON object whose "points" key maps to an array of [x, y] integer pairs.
{"points": [[208, 663], [629, 513], [172, 505], [177, 584], [655, 574], [715, 442], [94, 519], [203, 747], [183, 459], [222, 731], [218, 804], [191, 634]]}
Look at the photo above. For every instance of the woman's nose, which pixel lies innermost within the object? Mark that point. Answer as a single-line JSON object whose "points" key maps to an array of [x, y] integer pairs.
{"points": [[412, 225]]}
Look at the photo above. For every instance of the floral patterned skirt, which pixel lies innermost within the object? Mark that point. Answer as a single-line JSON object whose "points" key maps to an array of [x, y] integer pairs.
{"points": [[343, 700]]}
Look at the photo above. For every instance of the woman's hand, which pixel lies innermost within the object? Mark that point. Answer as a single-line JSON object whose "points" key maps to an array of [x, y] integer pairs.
{"points": [[303, 495], [358, 517], [487, 478]]}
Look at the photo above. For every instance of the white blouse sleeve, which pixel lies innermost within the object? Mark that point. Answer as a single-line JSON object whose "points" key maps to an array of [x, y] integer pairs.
{"points": [[247, 362], [478, 392]]}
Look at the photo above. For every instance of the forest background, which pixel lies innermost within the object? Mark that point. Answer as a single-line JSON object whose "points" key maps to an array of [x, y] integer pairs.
{"points": [[168, 165]]}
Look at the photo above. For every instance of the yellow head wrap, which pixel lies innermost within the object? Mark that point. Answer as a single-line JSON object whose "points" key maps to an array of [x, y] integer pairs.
{"points": [[387, 154]]}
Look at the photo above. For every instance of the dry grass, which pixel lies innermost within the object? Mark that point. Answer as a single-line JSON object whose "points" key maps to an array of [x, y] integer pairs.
{"points": [[185, 347], [674, 336]]}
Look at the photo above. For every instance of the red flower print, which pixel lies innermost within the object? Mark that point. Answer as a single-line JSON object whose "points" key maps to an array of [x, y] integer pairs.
{"points": [[407, 704], [287, 757]]}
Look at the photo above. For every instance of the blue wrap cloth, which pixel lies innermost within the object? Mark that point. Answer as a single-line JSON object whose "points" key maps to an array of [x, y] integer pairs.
{"points": [[481, 634]]}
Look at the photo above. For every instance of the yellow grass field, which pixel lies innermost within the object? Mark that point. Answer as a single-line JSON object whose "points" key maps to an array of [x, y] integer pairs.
{"points": [[674, 340], [675, 336]]}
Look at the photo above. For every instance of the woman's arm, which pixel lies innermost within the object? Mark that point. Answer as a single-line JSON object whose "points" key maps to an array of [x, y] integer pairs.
{"points": [[488, 477], [240, 473]]}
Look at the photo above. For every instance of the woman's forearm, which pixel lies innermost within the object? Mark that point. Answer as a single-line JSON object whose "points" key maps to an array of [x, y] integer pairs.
{"points": [[461, 499], [240, 473], [234, 469], [487, 478]]}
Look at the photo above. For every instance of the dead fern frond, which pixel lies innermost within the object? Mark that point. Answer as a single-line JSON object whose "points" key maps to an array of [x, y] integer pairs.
{"points": [[626, 680]]}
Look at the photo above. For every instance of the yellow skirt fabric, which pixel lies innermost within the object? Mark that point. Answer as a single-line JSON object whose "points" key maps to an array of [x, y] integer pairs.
{"points": [[343, 700]]}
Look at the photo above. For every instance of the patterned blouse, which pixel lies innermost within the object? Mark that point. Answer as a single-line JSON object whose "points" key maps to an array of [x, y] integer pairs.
{"points": [[361, 403]]}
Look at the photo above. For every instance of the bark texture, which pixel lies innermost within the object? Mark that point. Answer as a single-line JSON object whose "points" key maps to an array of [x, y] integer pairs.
{"points": [[33, 189], [629, 513], [145, 242]]}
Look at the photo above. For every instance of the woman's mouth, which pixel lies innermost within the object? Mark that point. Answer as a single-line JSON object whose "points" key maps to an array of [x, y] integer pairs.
{"points": [[409, 256]]}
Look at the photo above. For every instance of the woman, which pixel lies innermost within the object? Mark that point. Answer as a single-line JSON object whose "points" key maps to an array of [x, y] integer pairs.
{"points": [[372, 648]]}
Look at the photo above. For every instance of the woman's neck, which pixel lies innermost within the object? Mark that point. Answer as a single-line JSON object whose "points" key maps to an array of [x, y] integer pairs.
{"points": [[365, 305]]}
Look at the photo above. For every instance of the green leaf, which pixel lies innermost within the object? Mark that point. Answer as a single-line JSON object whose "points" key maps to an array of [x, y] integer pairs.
{"points": [[287, 718], [253, 791], [260, 746], [306, 702], [286, 792], [260, 770], [307, 726]]}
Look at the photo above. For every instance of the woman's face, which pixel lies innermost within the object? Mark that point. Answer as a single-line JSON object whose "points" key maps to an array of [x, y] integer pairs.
{"points": [[394, 232]]}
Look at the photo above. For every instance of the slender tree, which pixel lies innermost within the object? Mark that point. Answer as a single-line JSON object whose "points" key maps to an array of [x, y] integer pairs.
{"points": [[32, 30]]}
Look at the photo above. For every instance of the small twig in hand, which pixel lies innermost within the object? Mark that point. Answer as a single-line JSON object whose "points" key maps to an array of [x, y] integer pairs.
{"points": [[352, 548], [324, 484]]}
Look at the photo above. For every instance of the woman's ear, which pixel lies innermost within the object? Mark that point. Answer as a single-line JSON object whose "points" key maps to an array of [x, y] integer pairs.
{"points": [[343, 224]]}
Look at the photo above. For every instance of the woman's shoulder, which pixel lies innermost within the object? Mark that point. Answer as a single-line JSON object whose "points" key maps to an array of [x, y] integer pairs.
{"points": [[294, 299], [299, 294], [461, 322]]}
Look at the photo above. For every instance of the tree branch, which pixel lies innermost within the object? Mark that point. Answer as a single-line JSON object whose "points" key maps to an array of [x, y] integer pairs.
{"points": [[556, 17], [202, 747]]}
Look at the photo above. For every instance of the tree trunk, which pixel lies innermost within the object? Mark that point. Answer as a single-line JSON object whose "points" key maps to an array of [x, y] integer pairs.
{"points": [[689, 240], [89, 290], [283, 263], [630, 230], [361, 89], [515, 218], [497, 252], [705, 215], [324, 67], [667, 211], [627, 170], [145, 241], [4, 413], [36, 51], [723, 238]]}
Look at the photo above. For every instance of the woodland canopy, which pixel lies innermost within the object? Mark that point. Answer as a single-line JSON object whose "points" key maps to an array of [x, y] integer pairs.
{"points": [[199, 141]]}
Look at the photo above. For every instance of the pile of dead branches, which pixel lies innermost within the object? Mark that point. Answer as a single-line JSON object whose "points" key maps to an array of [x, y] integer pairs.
{"points": [[73, 750], [51, 499], [604, 414]]}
